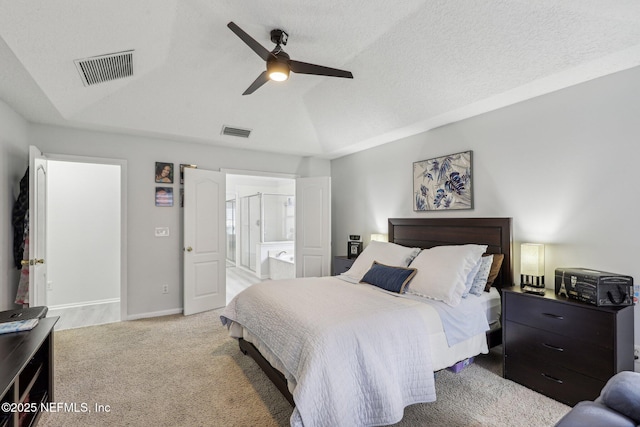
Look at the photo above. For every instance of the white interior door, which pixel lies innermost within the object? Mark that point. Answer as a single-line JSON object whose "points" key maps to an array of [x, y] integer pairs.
{"points": [[204, 240], [37, 227], [313, 227]]}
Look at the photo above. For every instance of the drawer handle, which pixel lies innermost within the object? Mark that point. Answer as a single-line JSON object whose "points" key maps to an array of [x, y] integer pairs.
{"points": [[553, 316], [549, 377], [553, 347]]}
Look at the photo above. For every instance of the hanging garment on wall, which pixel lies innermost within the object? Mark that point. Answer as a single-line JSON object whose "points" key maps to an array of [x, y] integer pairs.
{"points": [[22, 296], [20, 220]]}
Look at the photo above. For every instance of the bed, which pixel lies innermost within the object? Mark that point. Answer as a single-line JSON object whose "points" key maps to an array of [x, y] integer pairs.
{"points": [[369, 351]]}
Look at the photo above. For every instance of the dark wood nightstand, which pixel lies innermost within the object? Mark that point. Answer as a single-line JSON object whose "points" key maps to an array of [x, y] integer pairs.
{"points": [[341, 264], [563, 348]]}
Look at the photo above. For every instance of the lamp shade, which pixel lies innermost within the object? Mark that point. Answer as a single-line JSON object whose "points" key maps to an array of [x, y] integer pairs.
{"points": [[532, 259], [380, 237]]}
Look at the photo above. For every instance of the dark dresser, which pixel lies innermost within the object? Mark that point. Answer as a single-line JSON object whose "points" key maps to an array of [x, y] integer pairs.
{"points": [[26, 373], [563, 348]]}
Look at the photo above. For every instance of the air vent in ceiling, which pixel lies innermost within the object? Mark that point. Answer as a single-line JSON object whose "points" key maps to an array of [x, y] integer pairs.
{"points": [[232, 131], [104, 68]]}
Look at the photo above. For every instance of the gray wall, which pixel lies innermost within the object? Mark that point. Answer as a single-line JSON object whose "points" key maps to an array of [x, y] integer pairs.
{"points": [[14, 155], [563, 166], [153, 261]]}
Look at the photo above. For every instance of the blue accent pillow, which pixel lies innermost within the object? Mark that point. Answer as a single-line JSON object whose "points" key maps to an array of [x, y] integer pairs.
{"points": [[392, 279]]}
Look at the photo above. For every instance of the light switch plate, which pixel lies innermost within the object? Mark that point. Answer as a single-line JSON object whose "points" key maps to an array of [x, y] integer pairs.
{"points": [[162, 231]]}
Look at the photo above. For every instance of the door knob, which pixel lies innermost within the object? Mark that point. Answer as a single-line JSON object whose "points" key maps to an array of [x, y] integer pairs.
{"points": [[31, 261], [189, 248]]}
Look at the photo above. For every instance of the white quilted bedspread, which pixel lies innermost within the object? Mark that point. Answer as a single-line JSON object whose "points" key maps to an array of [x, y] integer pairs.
{"points": [[354, 356]]}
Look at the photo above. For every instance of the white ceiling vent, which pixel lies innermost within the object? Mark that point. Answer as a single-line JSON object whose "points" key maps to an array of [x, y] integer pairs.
{"points": [[104, 68], [233, 131]]}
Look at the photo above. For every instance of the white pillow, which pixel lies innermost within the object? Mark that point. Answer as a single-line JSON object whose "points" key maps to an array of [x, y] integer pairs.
{"points": [[443, 271], [387, 253]]}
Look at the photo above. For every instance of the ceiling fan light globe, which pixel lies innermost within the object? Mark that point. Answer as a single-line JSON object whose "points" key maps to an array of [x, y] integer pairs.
{"points": [[278, 76], [278, 71]]}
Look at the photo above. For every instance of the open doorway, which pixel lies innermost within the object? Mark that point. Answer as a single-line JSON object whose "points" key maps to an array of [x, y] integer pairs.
{"points": [[84, 241], [260, 227]]}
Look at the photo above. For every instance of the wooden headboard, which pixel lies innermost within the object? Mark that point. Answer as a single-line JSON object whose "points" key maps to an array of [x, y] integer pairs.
{"points": [[429, 232]]}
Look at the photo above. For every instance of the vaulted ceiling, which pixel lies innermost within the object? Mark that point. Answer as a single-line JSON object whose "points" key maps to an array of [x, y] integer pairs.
{"points": [[416, 65]]}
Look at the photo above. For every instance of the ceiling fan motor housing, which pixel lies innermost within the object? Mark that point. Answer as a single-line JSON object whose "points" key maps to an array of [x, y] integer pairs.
{"points": [[279, 37]]}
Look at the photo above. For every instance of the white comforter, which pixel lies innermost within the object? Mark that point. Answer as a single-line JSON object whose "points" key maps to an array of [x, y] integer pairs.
{"points": [[356, 360]]}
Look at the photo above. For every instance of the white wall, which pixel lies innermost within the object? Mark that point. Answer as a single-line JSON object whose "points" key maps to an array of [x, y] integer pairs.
{"points": [[564, 166], [14, 159], [153, 261], [83, 232]]}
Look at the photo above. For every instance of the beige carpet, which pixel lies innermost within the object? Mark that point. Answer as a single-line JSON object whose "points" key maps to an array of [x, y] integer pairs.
{"points": [[186, 371]]}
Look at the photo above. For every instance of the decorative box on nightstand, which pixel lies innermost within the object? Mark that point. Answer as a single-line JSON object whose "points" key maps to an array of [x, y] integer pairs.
{"points": [[341, 264], [563, 348]]}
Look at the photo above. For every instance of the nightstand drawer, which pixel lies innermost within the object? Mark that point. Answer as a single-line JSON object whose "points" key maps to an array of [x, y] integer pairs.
{"points": [[584, 358], [569, 320], [551, 380]]}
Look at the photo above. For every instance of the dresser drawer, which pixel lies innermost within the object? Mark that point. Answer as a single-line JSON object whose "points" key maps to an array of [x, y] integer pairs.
{"points": [[584, 358], [596, 326], [555, 381]]}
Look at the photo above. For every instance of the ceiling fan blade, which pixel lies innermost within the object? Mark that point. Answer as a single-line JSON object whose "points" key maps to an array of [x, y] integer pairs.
{"points": [[254, 45], [306, 68], [262, 79]]}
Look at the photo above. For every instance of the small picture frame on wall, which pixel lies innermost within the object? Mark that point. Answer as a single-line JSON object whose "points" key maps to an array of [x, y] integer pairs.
{"points": [[353, 249], [164, 196], [443, 183], [182, 166], [164, 172]]}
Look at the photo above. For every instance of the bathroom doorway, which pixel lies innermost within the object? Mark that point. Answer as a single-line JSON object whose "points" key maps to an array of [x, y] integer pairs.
{"points": [[260, 223]]}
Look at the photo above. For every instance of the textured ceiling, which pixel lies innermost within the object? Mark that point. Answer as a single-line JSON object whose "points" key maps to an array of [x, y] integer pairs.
{"points": [[418, 66]]}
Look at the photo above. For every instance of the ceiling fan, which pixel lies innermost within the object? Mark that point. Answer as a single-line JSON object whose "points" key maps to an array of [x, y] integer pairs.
{"points": [[278, 62]]}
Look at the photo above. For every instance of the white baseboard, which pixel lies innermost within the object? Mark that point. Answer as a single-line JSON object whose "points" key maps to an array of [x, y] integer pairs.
{"points": [[90, 313], [154, 314], [84, 304]]}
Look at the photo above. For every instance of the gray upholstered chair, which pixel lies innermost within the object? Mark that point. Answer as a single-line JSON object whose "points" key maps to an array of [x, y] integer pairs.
{"points": [[618, 405]]}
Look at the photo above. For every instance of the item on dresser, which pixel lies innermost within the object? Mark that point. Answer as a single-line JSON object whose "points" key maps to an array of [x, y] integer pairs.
{"points": [[23, 314], [18, 326], [595, 287], [564, 348], [532, 268]]}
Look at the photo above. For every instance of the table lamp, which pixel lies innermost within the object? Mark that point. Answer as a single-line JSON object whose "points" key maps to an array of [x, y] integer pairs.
{"points": [[532, 268]]}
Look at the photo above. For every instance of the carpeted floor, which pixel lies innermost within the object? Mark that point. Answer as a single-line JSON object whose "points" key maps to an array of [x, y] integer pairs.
{"points": [[186, 371]]}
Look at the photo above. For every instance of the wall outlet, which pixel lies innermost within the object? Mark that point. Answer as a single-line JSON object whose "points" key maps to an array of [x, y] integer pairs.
{"points": [[636, 352], [165, 289], [49, 285]]}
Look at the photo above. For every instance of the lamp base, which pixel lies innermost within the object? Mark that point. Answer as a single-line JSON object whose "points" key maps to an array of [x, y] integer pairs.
{"points": [[533, 290]]}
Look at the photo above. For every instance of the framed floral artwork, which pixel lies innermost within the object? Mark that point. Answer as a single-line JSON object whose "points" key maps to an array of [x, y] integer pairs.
{"points": [[443, 183]]}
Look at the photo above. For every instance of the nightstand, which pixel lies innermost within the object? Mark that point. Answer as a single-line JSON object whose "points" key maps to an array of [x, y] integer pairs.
{"points": [[341, 264], [563, 348]]}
